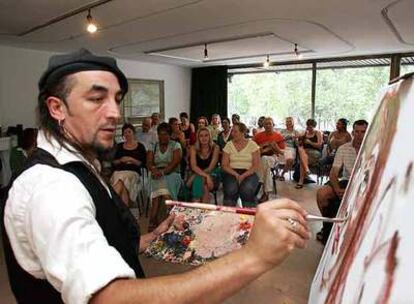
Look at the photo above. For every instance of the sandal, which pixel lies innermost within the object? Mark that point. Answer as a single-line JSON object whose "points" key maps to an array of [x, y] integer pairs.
{"points": [[299, 186]]}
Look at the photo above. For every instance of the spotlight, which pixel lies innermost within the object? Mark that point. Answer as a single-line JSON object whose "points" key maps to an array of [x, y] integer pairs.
{"points": [[266, 64], [91, 27], [205, 52], [297, 53]]}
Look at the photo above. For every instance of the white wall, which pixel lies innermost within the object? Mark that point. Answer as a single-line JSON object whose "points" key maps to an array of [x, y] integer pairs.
{"points": [[20, 70]]}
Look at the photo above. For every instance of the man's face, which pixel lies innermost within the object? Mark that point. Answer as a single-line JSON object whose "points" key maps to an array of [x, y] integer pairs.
{"points": [[92, 110], [289, 122], [268, 125], [340, 125], [146, 125], [155, 119], [358, 133]]}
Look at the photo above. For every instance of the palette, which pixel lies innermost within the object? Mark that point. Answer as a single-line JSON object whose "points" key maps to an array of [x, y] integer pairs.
{"points": [[198, 236]]}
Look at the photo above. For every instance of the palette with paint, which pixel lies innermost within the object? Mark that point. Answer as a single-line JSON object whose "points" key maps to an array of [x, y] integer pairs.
{"points": [[198, 236]]}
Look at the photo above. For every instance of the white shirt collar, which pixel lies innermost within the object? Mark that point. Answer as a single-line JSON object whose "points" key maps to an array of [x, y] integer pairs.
{"points": [[61, 154]]}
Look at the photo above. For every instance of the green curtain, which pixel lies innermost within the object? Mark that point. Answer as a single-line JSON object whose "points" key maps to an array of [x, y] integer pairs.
{"points": [[208, 92]]}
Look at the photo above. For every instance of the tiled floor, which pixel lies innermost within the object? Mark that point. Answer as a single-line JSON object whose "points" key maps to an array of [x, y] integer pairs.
{"points": [[288, 283]]}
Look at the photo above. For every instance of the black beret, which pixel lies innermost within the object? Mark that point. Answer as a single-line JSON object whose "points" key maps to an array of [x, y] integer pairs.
{"points": [[78, 61]]}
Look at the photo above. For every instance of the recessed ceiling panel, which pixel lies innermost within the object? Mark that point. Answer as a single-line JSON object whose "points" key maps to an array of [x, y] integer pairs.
{"points": [[401, 15], [16, 17]]}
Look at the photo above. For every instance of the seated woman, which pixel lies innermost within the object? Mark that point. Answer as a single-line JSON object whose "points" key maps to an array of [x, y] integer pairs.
{"points": [[336, 139], [224, 135], [309, 150], [163, 162], [179, 136], [188, 128], [290, 135], [202, 122], [129, 157], [203, 159], [260, 127], [241, 159], [19, 154]]}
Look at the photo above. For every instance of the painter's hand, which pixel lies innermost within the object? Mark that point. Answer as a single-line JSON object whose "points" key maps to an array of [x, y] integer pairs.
{"points": [[163, 227], [273, 236]]}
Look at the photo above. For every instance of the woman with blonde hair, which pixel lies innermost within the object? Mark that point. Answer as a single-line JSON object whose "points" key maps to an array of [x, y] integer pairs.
{"points": [[204, 156]]}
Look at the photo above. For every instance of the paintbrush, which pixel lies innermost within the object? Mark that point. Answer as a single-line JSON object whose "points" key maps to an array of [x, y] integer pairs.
{"points": [[248, 211]]}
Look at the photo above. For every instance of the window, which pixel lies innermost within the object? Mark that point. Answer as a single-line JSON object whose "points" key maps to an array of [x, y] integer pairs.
{"points": [[274, 94], [350, 93]]}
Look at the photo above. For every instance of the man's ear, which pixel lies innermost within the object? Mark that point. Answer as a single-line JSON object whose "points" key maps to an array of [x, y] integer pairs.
{"points": [[56, 107]]}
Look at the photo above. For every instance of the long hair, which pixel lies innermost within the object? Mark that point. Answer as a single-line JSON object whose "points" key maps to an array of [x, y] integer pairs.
{"points": [[197, 143]]}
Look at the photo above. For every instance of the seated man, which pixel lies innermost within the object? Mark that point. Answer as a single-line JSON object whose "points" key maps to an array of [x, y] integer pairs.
{"points": [[330, 195], [271, 145], [147, 136]]}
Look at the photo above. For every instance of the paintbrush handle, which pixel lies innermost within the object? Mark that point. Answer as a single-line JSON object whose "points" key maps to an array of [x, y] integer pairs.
{"points": [[312, 218], [248, 211]]}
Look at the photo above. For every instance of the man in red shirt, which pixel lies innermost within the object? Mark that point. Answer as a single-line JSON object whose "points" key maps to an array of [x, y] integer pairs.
{"points": [[271, 145]]}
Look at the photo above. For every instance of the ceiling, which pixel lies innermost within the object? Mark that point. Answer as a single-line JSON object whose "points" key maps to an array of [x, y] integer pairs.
{"points": [[235, 31]]}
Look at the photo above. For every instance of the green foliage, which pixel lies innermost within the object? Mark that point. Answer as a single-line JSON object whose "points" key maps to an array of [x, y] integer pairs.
{"points": [[350, 93]]}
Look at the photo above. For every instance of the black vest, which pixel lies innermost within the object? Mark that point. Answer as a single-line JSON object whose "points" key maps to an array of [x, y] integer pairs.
{"points": [[118, 225]]}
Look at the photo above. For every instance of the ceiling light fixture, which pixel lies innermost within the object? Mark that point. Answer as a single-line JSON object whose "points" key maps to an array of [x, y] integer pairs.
{"points": [[91, 27], [266, 64], [297, 53], [205, 52]]}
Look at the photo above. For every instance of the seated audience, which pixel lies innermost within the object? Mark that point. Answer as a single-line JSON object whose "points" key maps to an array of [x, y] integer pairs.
{"points": [[203, 159], [272, 146], [215, 126], [330, 195], [188, 128], [224, 135], [260, 127], [129, 157], [336, 139], [309, 149], [19, 154], [241, 161], [163, 162], [202, 122], [291, 136], [146, 135]]}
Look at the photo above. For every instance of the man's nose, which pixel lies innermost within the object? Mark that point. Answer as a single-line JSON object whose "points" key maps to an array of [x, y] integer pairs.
{"points": [[113, 110]]}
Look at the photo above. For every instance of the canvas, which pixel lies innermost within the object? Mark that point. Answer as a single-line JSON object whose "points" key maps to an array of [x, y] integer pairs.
{"points": [[368, 259], [197, 236]]}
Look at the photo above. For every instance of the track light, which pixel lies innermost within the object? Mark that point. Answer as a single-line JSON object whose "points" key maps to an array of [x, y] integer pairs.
{"points": [[91, 27], [297, 53], [205, 52], [266, 64]]}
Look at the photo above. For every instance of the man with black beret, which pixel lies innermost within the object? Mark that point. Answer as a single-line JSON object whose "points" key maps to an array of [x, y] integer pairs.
{"points": [[68, 236]]}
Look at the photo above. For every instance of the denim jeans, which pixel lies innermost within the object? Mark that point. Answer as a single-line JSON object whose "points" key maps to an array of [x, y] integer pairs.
{"points": [[246, 190]]}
